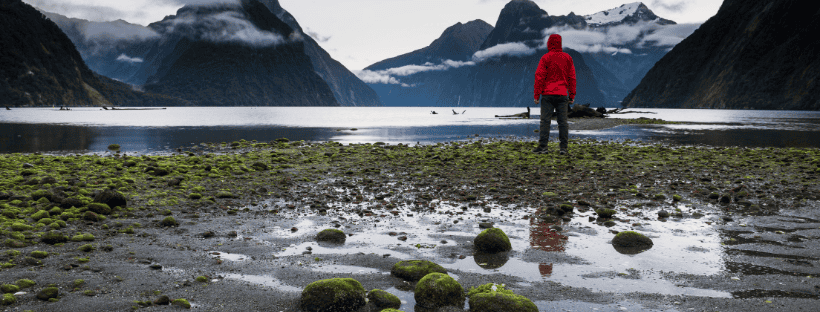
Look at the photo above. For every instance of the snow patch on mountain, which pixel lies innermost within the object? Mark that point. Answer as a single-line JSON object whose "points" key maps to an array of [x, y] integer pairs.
{"points": [[613, 15]]}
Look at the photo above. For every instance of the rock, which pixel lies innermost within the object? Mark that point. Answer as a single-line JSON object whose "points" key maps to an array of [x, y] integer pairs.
{"points": [[725, 199], [111, 198], [438, 290], [332, 236], [48, 293], [631, 242], [485, 225], [48, 180], [91, 216], [9, 288], [605, 213], [8, 299], [567, 208], [336, 294], [492, 297], [663, 214], [157, 172], [259, 166], [163, 300], [414, 270], [181, 303], [169, 221], [492, 241], [383, 300], [579, 110], [71, 202], [53, 237], [175, 181], [99, 208]]}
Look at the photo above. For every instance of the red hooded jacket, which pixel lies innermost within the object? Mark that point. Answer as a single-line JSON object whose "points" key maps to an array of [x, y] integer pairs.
{"points": [[556, 71]]}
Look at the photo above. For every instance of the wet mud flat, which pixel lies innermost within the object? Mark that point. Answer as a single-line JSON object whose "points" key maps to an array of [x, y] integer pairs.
{"points": [[232, 226]]}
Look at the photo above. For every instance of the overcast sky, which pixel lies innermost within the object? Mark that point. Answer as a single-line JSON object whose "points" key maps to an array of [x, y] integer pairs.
{"points": [[361, 32]]}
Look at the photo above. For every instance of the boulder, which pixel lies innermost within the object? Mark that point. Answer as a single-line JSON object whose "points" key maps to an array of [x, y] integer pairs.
{"points": [[579, 111], [492, 240], [99, 208], [438, 290], [111, 198], [71, 202], [331, 236], [336, 294], [48, 293], [605, 213], [383, 300], [414, 270], [492, 297], [53, 237], [631, 242]]}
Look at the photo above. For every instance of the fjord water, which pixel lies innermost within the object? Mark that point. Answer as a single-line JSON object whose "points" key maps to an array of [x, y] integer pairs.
{"points": [[89, 130]]}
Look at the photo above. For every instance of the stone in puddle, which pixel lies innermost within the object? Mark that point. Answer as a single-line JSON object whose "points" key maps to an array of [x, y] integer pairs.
{"points": [[437, 290], [413, 270], [492, 240], [491, 297], [336, 294], [631, 242], [383, 300], [485, 225], [331, 236], [663, 214]]}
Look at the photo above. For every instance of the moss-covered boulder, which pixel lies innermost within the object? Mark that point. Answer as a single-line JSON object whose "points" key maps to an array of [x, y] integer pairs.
{"points": [[53, 237], [336, 294], [331, 236], [99, 208], [439, 290], [181, 303], [492, 240], [8, 299], [169, 221], [111, 198], [494, 298], [48, 293], [414, 270], [25, 283], [9, 288], [631, 242], [383, 300], [605, 213]]}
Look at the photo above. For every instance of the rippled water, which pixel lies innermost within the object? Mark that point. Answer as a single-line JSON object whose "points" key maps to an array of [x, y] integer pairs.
{"points": [[85, 130]]}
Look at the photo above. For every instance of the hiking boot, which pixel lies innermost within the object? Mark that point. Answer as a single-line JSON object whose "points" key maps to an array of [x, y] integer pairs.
{"points": [[563, 152], [540, 150]]}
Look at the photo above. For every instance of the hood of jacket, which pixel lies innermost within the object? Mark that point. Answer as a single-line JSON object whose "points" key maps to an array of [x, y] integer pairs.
{"points": [[554, 43]]}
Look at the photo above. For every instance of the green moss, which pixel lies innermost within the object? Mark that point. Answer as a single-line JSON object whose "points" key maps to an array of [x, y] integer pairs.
{"points": [[82, 260], [40, 215], [9, 288], [331, 235], [86, 237], [342, 294], [676, 198], [605, 213], [439, 290], [17, 226], [181, 303], [414, 270], [383, 300], [39, 254], [493, 297], [169, 221], [86, 248], [8, 299], [25, 283], [194, 196], [202, 279]]}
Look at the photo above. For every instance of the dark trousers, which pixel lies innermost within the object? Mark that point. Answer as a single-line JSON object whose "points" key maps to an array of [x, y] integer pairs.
{"points": [[550, 103]]}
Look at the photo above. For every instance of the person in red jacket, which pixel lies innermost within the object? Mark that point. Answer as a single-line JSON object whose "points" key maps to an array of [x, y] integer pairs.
{"points": [[554, 90]]}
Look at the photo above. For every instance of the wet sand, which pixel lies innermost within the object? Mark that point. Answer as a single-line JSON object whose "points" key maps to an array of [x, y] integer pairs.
{"points": [[743, 234]]}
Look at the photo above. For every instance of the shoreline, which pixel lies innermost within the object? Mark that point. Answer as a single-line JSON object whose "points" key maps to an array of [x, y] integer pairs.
{"points": [[246, 198]]}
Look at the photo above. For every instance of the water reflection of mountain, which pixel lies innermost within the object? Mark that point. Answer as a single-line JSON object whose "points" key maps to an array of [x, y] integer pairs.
{"points": [[543, 238], [30, 138]]}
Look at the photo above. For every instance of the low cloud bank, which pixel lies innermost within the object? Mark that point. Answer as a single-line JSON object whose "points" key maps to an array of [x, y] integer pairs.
{"points": [[229, 25], [128, 59], [386, 76], [510, 49]]}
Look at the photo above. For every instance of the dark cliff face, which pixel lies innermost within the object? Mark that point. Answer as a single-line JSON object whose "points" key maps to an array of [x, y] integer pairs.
{"points": [[348, 89], [40, 66], [758, 54], [457, 42], [210, 68], [519, 21]]}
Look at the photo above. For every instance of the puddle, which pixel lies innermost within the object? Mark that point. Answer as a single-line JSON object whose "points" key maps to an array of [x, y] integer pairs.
{"points": [[228, 256], [334, 268], [569, 305], [267, 281]]}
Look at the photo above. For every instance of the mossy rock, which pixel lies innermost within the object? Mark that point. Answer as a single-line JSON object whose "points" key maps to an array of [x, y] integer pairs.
{"points": [[676, 198], [99, 208], [383, 300], [331, 236], [20, 227], [439, 290], [9, 288], [414, 270], [85, 237], [391, 310], [336, 294], [259, 166], [169, 221], [25, 283], [181, 303], [48, 293], [91, 216], [13, 243], [8, 299], [42, 214], [39, 254], [53, 237], [605, 213], [224, 194], [111, 198], [631, 242], [492, 240], [86, 248], [492, 297]]}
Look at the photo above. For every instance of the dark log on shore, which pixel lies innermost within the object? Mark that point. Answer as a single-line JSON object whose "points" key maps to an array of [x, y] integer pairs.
{"points": [[521, 115]]}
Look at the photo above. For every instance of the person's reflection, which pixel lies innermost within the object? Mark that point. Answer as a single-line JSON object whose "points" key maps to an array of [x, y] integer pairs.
{"points": [[543, 238]]}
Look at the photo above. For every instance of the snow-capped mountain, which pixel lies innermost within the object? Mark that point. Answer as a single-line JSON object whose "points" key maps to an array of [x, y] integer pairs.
{"points": [[629, 13]]}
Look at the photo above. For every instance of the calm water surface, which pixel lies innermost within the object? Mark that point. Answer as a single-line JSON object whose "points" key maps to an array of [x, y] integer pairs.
{"points": [[85, 130]]}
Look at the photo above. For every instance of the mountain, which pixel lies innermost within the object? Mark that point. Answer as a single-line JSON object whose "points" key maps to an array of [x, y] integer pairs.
{"points": [[501, 73], [236, 55], [758, 54], [348, 89], [458, 42], [39, 66], [630, 13]]}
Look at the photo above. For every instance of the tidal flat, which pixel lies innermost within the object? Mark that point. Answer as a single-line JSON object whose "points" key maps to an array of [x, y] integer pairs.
{"points": [[232, 226]]}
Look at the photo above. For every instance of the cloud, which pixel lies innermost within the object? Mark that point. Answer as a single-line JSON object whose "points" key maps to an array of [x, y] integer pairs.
{"points": [[386, 76], [511, 49], [316, 36], [117, 30], [226, 23], [677, 7], [670, 35], [128, 59], [614, 39]]}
